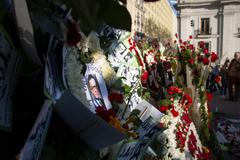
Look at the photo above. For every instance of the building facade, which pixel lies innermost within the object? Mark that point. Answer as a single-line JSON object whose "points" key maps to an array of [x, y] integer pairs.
{"points": [[136, 10], [160, 12], [217, 22]]}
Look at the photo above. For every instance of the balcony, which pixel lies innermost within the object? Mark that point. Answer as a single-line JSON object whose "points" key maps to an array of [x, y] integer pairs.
{"points": [[199, 34], [238, 33]]}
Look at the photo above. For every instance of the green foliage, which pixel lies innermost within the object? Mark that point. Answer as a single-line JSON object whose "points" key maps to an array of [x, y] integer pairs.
{"points": [[156, 31], [165, 102], [204, 133], [127, 89]]}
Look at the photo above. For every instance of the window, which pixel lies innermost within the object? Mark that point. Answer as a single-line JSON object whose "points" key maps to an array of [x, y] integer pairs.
{"points": [[205, 29]]}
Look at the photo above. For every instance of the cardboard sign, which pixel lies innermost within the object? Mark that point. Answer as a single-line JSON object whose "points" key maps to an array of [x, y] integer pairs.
{"points": [[33, 146], [91, 128], [135, 150], [25, 30], [148, 110], [148, 129], [8, 64]]}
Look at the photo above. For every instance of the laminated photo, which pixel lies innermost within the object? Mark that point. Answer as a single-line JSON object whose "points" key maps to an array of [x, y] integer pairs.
{"points": [[134, 101], [96, 89], [130, 74], [148, 110], [133, 150], [116, 52]]}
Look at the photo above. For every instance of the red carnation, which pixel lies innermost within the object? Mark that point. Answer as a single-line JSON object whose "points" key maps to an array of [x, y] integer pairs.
{"points": [[205, 61], [214, 57], [73, 35], [190, 37], [174, 113], [209, 96], [180, 41], [163, 109], [144, 77], [184, 43], [172, 90]]}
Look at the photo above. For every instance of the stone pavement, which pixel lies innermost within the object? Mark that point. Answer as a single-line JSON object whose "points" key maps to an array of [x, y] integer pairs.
{"points": [[228, 108], [219, 104]]}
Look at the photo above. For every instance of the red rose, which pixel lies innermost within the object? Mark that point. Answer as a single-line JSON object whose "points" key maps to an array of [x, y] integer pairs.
{"points": [[116, 97], [163, 109], [180, 41], [191, 61], [205, 61], [174, 113], [205, 51], [214, 57], [218, 79], [201, 44], [104, 113], [191, 47], [184, 43], [190, 37], [73, 35]]}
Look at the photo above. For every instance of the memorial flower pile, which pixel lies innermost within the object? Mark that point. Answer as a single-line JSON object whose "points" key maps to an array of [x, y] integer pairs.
{"points": [[199, 60], [182, 139]]}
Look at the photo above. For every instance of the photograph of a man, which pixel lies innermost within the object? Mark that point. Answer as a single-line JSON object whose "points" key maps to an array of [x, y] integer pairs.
{"points": [[128, 57], [95, 91]]}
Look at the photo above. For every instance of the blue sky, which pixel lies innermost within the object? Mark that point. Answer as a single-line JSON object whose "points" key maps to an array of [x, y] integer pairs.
{"points": [[172, 2]]}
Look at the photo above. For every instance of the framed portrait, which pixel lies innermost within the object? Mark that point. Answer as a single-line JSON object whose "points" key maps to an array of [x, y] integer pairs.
{"points": [[96, 90]]}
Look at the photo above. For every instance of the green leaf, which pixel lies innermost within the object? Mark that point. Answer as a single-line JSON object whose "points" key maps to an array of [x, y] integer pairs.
{"points": [[165, 102], [127, 89], [118, 83], [147, 95]]}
